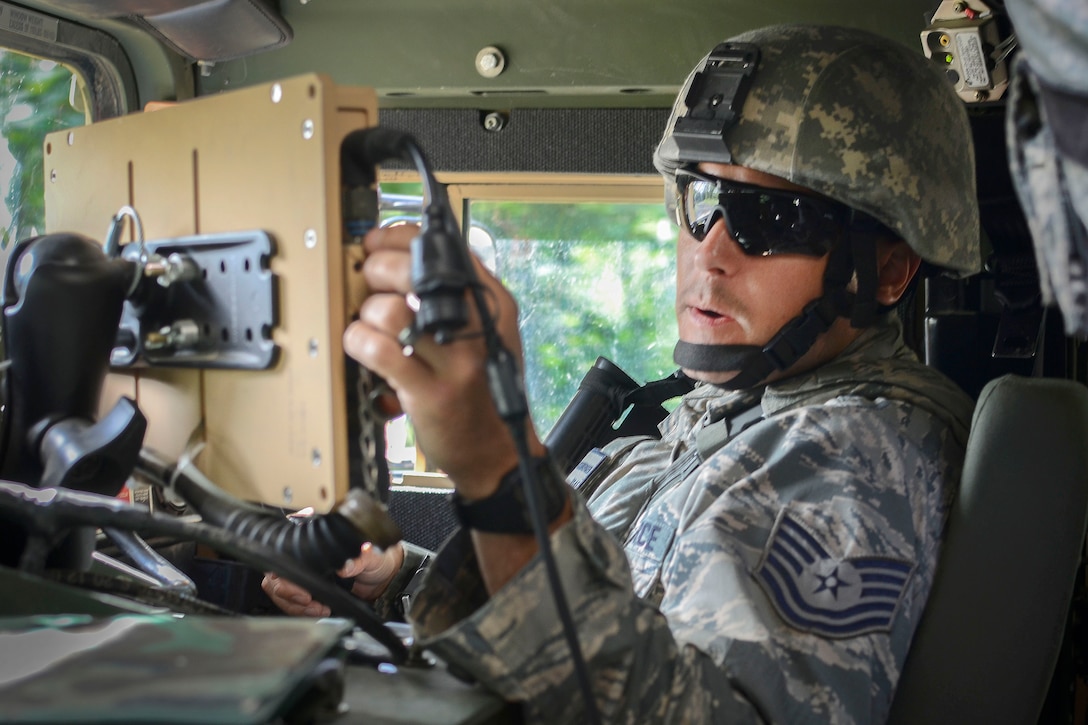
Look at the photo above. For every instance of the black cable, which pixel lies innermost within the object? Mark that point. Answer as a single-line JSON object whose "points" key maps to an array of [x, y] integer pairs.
{"points": [[48, 512], [323, 541], [540, 530]]}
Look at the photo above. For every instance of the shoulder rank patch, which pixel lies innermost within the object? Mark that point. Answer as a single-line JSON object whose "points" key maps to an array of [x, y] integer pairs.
{"points": [[833, 597]]}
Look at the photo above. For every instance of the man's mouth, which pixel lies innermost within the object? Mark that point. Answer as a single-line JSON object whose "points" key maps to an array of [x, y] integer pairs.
{"points": [[706, 314]]}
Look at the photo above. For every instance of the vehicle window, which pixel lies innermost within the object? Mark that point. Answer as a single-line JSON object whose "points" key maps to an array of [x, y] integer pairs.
{"points": [[591, 279], [37, 96]]}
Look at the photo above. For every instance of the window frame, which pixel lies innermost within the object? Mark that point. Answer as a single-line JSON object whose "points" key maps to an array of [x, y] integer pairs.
{"points": [[97, 56]]}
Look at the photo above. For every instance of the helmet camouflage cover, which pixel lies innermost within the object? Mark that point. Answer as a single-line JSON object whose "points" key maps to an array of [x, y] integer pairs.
{"points": [[862, 120]]}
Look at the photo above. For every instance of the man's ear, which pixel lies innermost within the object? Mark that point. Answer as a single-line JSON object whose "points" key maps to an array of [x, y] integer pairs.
{"points": [[897, 264]]}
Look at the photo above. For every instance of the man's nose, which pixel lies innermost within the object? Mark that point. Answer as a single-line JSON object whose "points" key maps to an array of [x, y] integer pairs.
{"points": [[719, 250]]}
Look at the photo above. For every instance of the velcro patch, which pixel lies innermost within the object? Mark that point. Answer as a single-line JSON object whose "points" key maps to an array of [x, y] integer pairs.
{"points": [[829, 596], [589, 463]]}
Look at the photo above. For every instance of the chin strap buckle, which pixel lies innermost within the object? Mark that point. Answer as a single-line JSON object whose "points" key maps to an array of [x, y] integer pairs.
{"points": [[796, 336]]}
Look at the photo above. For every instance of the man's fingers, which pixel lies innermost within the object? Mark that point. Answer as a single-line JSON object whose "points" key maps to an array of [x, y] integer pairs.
{"points": [[316, 610], [398, 236], [379, 351], [291, 598], [279, 587], [352, 568], [388, 313], [388, 270], [373, 340]]}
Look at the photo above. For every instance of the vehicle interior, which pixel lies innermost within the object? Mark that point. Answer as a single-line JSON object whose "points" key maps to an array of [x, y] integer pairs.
{"points": [[228, 144]]}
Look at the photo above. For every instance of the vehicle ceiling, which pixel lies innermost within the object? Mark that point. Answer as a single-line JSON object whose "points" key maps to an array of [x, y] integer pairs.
{"points": [[558, 53]]}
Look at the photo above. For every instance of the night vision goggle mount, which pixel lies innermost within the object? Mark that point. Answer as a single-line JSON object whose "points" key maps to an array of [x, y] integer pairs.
{"points": [[714, 101]]}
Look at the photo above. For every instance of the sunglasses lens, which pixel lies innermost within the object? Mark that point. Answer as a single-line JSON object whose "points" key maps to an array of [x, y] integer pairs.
{"points": [[700, 205], [780, 223], [762, 221]]}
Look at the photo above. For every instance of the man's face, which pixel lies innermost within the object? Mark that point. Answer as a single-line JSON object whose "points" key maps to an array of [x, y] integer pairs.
{"points": [[725, 297]]}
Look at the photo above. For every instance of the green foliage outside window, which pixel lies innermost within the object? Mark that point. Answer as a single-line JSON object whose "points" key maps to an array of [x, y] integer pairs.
{"points": [[591, 279], [34, 101]]}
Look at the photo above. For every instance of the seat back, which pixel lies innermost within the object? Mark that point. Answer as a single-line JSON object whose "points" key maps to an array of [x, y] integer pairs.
{"points": [[987, 644]]}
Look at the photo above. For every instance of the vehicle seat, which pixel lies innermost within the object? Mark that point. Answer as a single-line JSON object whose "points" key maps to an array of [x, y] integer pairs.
{"points": [[988, 641]]}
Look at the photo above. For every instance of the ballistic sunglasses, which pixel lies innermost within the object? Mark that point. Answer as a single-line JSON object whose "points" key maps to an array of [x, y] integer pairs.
{"points": [[762, 221]]}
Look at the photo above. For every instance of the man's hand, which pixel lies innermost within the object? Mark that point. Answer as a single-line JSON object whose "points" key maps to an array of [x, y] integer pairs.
{"points": [[442, 388], [372, 570]]}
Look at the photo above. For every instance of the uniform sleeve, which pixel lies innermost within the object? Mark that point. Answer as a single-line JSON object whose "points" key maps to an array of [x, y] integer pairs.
{"points": [[390, 605], [800, 562]]}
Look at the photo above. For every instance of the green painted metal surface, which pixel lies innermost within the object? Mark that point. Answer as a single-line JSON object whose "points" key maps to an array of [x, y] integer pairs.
{"points": [[558, 52]]}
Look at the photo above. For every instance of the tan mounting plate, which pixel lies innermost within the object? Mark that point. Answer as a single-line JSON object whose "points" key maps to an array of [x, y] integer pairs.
{"points": [[263, 157]]}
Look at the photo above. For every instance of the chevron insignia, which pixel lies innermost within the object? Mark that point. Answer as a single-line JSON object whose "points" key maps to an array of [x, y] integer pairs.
{"points": [[833, 597]]}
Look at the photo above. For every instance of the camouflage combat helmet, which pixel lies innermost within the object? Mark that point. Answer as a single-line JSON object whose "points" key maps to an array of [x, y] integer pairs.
{"points": [[862, 120]]}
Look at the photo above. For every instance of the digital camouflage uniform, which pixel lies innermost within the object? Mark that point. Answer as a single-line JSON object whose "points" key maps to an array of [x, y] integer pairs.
{"points": [[1047, 129], [779, 580], [769, 557]]}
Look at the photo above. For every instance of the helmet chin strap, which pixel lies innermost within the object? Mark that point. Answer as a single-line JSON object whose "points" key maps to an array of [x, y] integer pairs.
{"points": [[754, 363], [712, 358]]}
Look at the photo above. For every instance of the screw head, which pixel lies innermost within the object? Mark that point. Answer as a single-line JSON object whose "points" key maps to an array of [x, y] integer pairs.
{"points": [[490, 61]]}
